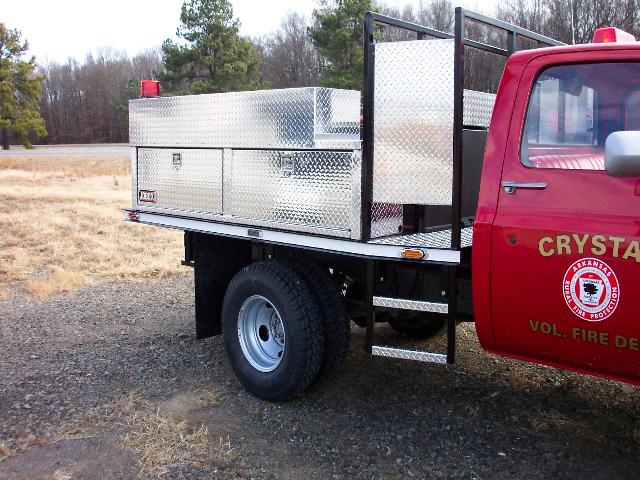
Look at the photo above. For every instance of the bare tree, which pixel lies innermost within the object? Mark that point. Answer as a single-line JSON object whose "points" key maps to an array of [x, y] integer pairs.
{"points": [[289, 57], [87, 102], [572, 20], [529, 14], [436, 14]]}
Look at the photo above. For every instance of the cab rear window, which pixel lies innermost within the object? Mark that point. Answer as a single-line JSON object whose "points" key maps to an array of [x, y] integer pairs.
{"points": [[573, 108]]}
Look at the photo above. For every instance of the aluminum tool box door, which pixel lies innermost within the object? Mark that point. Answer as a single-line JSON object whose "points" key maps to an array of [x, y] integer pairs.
{"points": [[178, 181], [313, 191]]}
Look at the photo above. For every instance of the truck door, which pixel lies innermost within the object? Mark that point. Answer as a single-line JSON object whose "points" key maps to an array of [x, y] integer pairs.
{"points": [[565, 261]]}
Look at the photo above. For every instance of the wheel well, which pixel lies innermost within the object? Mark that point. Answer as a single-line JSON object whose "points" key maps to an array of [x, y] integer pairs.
{"points": [[217, 259]]}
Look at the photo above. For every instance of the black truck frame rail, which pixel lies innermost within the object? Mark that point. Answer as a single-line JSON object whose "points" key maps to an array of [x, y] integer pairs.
{"points": [[514, 33]]}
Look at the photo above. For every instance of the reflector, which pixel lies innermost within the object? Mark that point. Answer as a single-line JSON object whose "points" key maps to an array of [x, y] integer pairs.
{"points": [[612, 35]]}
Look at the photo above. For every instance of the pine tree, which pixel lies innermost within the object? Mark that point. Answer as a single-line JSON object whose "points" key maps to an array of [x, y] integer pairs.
{"points": [[20, 90], [337, 33], [216, 58]]}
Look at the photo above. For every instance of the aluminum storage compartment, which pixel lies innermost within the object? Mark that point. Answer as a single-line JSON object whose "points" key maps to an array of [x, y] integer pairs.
{"points": [[295, 118], [286, 159], [309, 191], [185, 182], [314, 191]]}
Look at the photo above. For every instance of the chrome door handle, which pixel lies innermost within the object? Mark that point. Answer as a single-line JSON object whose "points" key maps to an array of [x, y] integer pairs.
{"points": [[511, 187]]}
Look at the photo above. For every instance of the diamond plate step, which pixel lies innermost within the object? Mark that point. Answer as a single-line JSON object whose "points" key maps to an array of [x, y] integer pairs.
{"points": [[415, 305], [404, 354]]}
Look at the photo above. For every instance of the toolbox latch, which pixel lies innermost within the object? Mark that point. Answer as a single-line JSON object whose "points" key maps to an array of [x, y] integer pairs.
{"points": [[287, 164]]}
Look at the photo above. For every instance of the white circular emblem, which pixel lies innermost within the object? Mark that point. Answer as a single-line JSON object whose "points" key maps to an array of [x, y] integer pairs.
{"points": [[591, 290]]}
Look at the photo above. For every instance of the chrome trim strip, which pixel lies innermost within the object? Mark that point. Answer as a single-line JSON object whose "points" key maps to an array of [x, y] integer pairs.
{"points": [[294, 239], [415, 305], [416, 355]]}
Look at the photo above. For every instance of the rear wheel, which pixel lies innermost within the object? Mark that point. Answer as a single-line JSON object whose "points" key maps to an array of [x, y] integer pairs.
{"points": [[272, 331], [336, 324]]}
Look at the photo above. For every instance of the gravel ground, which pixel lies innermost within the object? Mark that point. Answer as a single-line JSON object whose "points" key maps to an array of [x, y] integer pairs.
{"points": [[69, 365]]}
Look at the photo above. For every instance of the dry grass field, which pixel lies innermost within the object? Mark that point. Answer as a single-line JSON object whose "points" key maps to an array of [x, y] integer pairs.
{"points": [[62, 226]]}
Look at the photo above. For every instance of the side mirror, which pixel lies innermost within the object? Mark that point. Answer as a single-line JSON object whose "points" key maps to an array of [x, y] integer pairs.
{"points": [[622, 154]]}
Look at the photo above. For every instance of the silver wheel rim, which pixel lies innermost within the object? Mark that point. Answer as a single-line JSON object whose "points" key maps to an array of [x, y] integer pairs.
{"points": [[261, 333]]}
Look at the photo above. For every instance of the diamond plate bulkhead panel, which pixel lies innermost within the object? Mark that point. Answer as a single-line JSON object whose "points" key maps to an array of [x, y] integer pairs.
{"points": [[300, 190], [413, 132], [478, 107], [297, 118], [179, 181]]}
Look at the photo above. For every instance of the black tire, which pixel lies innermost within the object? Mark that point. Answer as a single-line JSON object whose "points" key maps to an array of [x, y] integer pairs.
{"points": [[298, 309], [336, 324], [417, 325]]}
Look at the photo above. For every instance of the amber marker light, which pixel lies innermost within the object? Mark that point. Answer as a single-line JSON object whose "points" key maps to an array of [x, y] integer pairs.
{"points": [[413, 254]]}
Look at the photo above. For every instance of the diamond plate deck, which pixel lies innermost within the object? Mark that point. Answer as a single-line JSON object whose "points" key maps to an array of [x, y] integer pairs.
{"points": [[437, 239]]}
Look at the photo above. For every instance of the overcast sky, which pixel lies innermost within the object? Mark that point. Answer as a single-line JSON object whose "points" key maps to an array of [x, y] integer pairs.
{"points": [[58, 29]]}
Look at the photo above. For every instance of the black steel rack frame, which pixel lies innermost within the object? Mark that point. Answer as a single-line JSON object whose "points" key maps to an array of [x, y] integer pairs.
{"points": [[462, 16]]}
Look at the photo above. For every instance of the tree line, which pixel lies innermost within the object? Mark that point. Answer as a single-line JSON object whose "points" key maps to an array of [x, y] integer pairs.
{"points": [[87, 102], [84, 102]]}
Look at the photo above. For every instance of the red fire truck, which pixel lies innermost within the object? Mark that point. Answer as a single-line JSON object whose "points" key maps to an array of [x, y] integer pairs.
{"points": [[297, 221]]}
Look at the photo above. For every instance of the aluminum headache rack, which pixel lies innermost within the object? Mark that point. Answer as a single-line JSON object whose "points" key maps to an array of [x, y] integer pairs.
{"points": [[415, 112], [292, 167]]}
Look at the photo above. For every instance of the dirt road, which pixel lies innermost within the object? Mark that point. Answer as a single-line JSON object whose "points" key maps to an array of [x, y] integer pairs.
{"points": [[70, 364]]}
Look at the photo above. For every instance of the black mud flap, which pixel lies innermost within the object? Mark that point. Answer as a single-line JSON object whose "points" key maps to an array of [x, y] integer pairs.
{"points": [[216, 260]]}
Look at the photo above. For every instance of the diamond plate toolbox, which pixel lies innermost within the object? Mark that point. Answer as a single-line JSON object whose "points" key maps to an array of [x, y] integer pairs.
{"points": [[478, 107], [287, 159], [296, 118]]}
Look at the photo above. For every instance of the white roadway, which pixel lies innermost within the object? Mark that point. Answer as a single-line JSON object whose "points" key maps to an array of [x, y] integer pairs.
{"points": [[94, 150]]}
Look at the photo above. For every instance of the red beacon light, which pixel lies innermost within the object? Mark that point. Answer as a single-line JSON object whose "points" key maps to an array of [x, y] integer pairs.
{"points": [[612, 35], [149, 89]]}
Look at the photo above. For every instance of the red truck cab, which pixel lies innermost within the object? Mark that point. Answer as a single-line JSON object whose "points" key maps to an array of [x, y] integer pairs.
{"points": [[556, 237]]}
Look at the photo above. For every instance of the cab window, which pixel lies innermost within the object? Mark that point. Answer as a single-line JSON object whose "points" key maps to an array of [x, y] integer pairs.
{"points": [[573, 108], [632, 107]]}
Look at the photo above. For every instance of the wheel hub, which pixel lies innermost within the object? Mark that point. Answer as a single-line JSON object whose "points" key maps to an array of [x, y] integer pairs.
{"points": [[261, 333]]}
